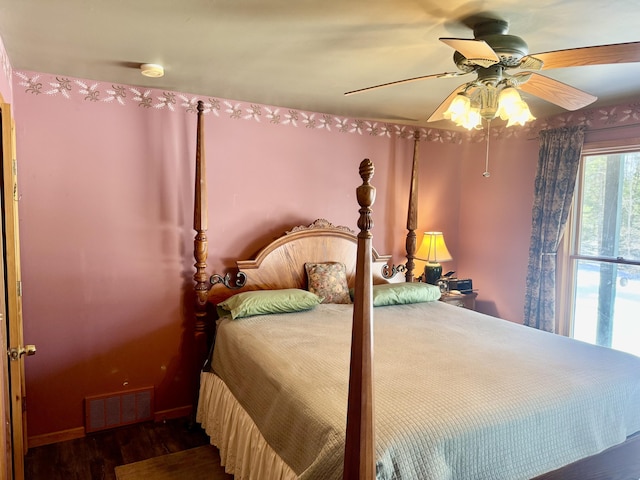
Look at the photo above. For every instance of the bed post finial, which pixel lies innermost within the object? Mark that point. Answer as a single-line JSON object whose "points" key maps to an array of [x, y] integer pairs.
{"points": [[359, 452], [200, 215], [366, 195]]}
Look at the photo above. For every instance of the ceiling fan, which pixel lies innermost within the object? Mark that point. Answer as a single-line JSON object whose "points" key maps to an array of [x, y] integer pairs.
{"points": [[492, 54]]}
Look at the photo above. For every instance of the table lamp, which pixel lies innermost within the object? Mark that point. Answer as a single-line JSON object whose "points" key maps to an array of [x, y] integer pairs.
{"points": [[433, 250]]}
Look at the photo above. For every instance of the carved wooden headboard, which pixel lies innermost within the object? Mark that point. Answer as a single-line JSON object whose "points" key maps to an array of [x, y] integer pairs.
{"points": [[280, 264]]}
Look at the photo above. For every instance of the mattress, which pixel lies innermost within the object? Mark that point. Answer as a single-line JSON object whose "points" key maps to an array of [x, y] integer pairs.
{"points": [[458, 394]]}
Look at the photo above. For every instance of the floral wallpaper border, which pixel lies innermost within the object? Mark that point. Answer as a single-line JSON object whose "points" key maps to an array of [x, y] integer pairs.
{"points": [[102, 93]]}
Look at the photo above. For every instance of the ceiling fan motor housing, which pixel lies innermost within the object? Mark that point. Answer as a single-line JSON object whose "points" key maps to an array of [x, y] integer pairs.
{"points": [[509, 48]]}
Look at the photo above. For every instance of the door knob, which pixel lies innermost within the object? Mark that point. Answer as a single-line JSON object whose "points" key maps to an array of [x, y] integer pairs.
{"points": [[16, 353]]}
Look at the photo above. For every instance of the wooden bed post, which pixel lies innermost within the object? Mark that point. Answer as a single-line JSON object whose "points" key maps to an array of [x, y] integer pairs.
{"points": [[412, 220], [412, 212], [200, 252], [359, 454]]}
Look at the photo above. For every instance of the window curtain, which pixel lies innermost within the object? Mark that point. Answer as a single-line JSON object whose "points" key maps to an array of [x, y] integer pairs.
{"points": [[555, 182]]}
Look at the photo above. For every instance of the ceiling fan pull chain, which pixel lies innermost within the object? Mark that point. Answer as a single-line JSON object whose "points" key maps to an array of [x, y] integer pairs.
{"points": [[486, 173]]}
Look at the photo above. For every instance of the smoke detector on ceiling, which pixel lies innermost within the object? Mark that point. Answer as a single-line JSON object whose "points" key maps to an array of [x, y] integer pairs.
{"points": [[152, 70]]}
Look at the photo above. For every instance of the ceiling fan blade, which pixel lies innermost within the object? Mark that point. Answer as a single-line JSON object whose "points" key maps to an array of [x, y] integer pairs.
{"points": [[407, 80], [556, 92], [599, 55], [438, 113], [476, 51]]}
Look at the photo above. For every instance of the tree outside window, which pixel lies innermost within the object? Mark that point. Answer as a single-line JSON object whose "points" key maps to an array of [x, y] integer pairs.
{"points": [[605, 258]]}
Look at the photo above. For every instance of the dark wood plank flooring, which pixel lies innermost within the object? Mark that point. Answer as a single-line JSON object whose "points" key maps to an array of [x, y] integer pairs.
{"points": [[95, 456]]}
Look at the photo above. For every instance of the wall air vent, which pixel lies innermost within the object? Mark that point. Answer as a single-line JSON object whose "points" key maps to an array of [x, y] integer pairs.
{"points": [[116, 409]]}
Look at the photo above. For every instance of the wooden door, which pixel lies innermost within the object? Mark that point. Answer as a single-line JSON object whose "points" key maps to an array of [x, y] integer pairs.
{"points": [[16, 444]]}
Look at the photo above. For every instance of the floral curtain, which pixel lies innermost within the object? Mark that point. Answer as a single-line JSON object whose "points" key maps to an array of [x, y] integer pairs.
{"points": [[558, 162]]}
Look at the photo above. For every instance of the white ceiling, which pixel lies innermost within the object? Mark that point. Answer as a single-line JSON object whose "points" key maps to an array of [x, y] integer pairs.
{"points": [[305, 54]]}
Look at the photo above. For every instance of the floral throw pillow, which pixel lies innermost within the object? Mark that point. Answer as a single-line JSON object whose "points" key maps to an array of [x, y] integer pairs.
{"points": [[328, 281]]}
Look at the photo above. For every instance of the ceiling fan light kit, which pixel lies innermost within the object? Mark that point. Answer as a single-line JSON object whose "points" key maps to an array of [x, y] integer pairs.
{"points": [[488, 102], [494, 93]]}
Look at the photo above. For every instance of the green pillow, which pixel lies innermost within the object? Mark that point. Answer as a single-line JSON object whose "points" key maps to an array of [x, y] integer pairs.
{"points": [[262, 302], [403, 293]]}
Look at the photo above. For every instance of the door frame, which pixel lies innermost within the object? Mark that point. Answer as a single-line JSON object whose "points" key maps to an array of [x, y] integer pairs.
{"points": [[13, 292]]}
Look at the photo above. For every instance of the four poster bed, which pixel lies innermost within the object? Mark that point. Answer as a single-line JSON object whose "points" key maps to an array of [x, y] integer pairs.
{"points": [[288, 391]]}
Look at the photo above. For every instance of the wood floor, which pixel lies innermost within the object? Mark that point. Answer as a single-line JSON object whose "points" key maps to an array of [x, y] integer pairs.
{"points": [[95, 456]]}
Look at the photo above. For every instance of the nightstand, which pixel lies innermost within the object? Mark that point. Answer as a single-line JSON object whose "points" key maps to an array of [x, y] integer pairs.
{"points": [[465, 300]]}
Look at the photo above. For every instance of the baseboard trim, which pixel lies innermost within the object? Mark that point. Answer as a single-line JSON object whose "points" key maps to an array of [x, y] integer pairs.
{"points": [[79, 432], [55, 437], [172, 413]]}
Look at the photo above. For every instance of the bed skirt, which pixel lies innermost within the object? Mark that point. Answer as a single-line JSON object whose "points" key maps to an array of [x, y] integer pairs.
{"points": [[243, 450]]}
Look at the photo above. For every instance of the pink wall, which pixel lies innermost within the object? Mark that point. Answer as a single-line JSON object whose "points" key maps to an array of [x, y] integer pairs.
{"points": [[106, 223], [495, 223], [106, 178]]}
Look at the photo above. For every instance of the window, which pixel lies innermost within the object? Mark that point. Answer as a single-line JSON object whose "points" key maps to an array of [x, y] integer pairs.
{"points": [[604, 252]]}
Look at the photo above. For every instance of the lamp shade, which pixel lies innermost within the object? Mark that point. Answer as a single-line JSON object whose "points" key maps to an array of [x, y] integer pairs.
{"points": [[458, 107], [487, 101], [433, 249]]}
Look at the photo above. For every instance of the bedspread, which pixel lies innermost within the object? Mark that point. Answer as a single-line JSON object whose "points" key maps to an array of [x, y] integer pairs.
{"points": [[458, 394]]}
